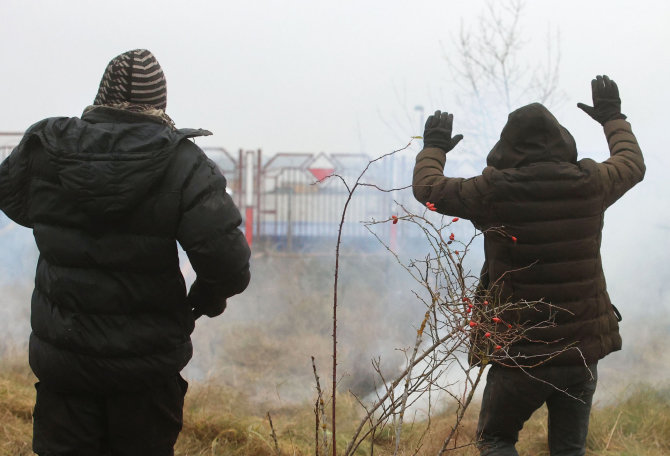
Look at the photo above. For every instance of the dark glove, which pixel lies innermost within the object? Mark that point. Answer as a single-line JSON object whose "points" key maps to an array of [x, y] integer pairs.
{"points": [[205, 299], [438, 132], [606, 101], [211, 311]]}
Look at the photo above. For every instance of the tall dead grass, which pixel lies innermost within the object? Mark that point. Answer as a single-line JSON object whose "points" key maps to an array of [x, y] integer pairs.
{"points": [[219, 420], [255, 359]]}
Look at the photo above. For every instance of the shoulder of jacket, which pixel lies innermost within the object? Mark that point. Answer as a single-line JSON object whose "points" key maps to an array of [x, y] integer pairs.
{"points": [[587, 163], [186, 151], [189, 159], [39, 125], [489, 172], [589, 167], [37, 129], [492, 175]]}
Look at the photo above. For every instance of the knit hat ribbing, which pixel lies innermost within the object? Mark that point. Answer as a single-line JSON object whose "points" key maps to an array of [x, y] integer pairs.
{"points": [[133, 77]]}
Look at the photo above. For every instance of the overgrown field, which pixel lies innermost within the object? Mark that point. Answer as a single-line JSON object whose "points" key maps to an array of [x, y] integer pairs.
{"points": [[256, 359], [221, 421]]}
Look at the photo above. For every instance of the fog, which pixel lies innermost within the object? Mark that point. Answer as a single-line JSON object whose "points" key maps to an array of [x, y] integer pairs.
{"points": [[348, 77]]}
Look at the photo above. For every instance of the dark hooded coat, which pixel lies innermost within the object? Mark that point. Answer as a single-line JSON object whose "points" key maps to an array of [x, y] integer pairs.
{"points": [[537, 192], [107, 197]]}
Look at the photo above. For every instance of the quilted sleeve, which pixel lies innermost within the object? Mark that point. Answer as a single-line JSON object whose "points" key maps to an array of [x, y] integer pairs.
{"points": [[209, 234], [625, 167], [457, 196]]}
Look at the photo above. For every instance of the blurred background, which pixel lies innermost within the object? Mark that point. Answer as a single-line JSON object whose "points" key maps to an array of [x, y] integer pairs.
{"points": [[296, 90]]}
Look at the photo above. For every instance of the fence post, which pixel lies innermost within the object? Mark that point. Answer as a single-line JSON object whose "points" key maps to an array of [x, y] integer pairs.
{"points": [[289, 221], [260, 178], [249, 196]]}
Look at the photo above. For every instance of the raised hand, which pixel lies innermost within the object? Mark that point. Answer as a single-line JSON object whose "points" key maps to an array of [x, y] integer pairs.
{"points": [[437, 132], [606, 101]]}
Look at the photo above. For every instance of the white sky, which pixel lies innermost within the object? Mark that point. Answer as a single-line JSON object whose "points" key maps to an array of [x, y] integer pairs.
{"points": [[314, 76]]}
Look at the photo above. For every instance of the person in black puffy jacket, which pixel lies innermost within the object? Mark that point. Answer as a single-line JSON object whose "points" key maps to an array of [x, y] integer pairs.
{"points": [[108, 196]]}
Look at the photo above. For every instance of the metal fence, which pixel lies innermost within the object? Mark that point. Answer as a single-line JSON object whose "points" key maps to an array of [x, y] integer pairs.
{"points": [[294, 201]]}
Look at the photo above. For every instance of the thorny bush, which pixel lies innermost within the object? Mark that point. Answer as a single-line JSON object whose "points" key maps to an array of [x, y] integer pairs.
{"points": [[460, 333]]}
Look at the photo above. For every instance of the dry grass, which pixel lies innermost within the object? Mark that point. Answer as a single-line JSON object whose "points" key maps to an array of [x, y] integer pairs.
{"points": [[256, 358], [221, 421], [17, 397], [638, 423]]}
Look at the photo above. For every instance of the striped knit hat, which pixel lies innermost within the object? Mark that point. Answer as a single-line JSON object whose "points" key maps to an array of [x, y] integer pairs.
{"points": [[134, 77]]}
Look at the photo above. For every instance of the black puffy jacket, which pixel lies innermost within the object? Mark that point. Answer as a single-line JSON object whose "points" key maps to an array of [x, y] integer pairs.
{"points": [[108, 196], [553, 205]]}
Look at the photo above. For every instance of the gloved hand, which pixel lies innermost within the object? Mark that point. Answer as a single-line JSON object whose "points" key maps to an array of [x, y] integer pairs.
{"points": [[606, 101], [437, 132], [211, 311], [205, 299]]}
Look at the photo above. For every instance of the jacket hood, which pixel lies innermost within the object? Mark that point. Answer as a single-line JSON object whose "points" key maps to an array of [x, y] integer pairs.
{"points": [[110, 158], [532, 134]]}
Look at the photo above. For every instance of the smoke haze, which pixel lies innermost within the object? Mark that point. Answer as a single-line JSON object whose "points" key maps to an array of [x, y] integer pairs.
{"points": [[347, 77]]}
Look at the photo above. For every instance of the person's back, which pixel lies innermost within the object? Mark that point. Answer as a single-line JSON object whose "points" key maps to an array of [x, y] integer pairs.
{"points": [[547, 210], [108, 196], [550, 208]]}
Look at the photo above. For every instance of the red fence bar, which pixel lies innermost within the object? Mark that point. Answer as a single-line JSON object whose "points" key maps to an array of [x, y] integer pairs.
{"points": [[249, 225]]}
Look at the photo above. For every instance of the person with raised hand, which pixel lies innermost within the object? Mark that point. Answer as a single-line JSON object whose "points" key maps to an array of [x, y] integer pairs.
{"points": [[547, 210]]}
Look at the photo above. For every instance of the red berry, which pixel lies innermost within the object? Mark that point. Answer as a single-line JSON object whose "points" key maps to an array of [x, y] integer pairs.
{"points": [[498, 347], [452, 237], [486, 303], [395, 221], [468, 310], [513, 238], [473, 324], [488, 334], [496, 319], [509, 326], [456, 252], [465, 299], [455, 219]]}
